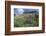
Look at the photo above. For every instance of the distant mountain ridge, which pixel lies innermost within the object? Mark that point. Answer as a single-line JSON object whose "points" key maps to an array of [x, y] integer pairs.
{"points": [[19, 11], [31, 12]]}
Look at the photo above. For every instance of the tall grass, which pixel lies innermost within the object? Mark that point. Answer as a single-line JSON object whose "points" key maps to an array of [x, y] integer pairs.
{"points": [[26, 20]]}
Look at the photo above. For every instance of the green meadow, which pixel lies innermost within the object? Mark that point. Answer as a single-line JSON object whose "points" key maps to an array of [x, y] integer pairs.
{"points": [[26, 20]]}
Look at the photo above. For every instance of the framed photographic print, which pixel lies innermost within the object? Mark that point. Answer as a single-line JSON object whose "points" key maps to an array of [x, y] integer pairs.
{"points": [[24, 17]]}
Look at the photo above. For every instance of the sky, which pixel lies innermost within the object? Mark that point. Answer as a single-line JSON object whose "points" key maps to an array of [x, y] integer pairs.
{"points": [[19, 11]]}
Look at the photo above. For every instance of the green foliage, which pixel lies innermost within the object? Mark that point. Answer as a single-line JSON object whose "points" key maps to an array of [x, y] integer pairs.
{"points": [[26, 20], [19, 22]]}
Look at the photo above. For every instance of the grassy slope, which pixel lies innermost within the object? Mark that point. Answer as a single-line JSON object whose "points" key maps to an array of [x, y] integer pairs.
{"points": [[25, 20]]}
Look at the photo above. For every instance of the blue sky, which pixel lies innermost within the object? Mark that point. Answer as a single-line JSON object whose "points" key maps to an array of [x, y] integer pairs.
{"points": [[21, 10]]}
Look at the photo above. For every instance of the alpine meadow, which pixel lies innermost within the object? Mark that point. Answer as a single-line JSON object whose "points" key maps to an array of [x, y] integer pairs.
{"points": [[24, 17]]}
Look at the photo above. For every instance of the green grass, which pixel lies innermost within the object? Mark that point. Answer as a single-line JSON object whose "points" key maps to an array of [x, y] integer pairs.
{"points": [[26, 20]]}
